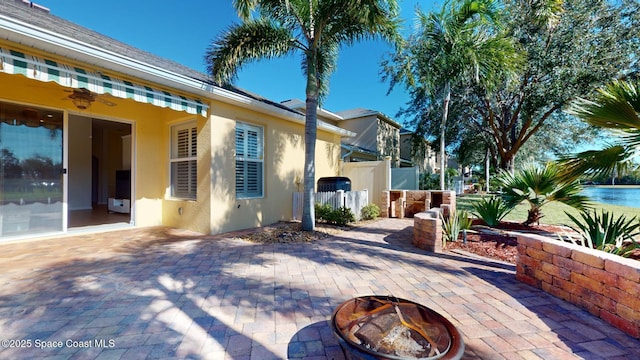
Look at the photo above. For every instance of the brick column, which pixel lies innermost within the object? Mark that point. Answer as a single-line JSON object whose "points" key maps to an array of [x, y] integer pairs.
{"points": [[427, 231], [386, 203], [449, 198]]}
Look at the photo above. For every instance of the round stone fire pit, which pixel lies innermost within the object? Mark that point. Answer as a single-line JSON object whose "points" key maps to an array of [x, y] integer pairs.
{"points": [[385, 327]]}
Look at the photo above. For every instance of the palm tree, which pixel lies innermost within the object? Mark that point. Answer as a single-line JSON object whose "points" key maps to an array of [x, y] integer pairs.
{"points": [[313, 28], [462, 42], [615, 107], [539, 186]]}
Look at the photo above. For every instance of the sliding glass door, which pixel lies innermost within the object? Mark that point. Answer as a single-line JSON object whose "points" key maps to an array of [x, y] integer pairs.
{"points": [[31, 170]]}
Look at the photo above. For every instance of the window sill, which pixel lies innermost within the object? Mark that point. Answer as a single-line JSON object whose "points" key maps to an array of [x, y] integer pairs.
{"points": [[171, 198], [250, 197]]}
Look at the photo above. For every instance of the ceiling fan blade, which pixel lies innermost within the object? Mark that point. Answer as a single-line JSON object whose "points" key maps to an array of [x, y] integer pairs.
{"points": [[106, 102]]}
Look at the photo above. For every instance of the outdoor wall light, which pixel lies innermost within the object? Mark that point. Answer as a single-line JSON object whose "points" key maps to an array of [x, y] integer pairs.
{"points": [[81, 102]]}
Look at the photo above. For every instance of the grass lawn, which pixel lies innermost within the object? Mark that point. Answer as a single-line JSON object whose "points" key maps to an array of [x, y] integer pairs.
{"points": [[554, 212], [31, 196]]}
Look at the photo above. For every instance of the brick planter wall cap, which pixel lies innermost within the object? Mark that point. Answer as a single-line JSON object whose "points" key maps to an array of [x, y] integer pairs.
{"points": [[593, 252], [423, 215]]}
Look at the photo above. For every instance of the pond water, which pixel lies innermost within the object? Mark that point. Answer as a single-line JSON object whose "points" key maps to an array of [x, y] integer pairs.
{"points": [[623, 196]]}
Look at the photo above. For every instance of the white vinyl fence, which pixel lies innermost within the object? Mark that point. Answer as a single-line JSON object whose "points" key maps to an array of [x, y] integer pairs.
{"points": [[354, 200]]}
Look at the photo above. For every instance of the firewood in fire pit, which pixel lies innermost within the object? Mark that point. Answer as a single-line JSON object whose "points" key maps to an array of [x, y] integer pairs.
{"points": [[387, 335], [373, 331], [400, 342]]}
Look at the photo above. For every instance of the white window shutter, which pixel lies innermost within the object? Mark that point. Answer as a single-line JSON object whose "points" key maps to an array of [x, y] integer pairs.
{"points": [[249, 161], [184, 162]]}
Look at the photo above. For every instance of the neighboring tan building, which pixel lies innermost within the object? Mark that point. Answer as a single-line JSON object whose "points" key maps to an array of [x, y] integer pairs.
{"points": [[89, 124], [376, 135], [417, 152]]}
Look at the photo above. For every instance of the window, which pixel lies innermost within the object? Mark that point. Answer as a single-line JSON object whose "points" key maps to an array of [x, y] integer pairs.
{"points": [[184, 161], [249, 161]]}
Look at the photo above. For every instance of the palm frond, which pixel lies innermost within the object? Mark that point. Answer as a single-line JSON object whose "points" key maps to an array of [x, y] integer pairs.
{"points": [[346, 22], [568, 193], [244, 7], [547, 13], [596, 162], [464, 42], [250, 41], [617, 106], [632, 138]]}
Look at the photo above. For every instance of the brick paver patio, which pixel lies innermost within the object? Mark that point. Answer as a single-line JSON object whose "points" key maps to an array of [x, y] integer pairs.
{"points": [[161, 293]]}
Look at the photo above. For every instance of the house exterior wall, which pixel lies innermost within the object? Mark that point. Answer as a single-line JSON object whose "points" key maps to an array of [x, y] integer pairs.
{"points": [[388, 141], [283, 168], [374, 134], [366, 129], [216, 208], [148, 123], [189, 214]]}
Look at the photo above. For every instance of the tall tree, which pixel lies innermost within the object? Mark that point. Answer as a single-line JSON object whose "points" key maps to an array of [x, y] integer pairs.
{"points": [[313, 28], [462, 43], [572, 47]]}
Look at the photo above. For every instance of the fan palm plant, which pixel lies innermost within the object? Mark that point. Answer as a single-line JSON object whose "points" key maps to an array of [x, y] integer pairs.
{"points": [[616, 107], [314, 29], [539, 186]]}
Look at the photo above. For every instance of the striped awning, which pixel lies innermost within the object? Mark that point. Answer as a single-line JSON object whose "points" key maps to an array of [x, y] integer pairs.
{"points": [[33, 67]]}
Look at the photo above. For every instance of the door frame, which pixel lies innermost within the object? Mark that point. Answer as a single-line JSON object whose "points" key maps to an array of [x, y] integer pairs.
{"points": [[65, 151]]}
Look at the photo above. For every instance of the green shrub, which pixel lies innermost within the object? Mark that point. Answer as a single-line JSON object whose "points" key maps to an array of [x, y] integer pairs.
{"points": [[491, 211], [604, 232], [454, 224], [370, 212], [465, 219], [429, 181], [323, 212], [344, 216], [341, 216]]}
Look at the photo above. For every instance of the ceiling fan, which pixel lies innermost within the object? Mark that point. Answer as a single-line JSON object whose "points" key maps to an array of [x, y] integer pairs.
{"points": [[82, 98]]}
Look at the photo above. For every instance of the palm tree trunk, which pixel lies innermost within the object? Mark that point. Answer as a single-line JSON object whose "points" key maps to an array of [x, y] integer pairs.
{"points": [[443, 126], [310, 134], [487, 164]]}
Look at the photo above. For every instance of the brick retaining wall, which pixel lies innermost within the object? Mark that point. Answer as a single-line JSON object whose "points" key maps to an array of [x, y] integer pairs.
{"points": [[606, 285]]}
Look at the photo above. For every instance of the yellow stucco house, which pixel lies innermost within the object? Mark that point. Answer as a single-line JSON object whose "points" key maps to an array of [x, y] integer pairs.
{"points": [[95, 132]]}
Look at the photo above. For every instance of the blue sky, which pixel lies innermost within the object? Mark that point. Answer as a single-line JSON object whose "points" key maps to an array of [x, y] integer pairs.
{"points": [[182, 31]]}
